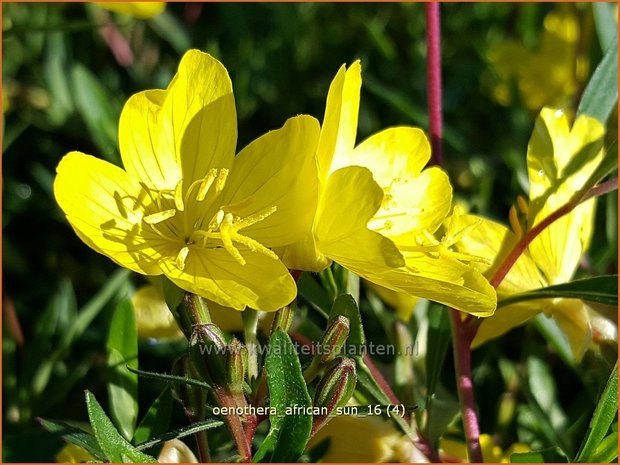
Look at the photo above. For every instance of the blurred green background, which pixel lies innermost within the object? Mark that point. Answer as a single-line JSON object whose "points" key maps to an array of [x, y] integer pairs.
{"points": [[64, 85]]}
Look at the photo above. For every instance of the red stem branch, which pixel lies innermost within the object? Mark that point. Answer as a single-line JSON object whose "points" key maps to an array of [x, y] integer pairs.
{"points": [[433, 73]]}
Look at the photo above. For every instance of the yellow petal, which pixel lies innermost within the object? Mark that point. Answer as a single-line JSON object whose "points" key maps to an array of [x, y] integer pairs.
{"points": [[303, 255], [153, 123], [493, 241], [401, 302], [72, 453], [350, 199], [153, 318], [277, 170], [363, 440], [262, 283], [559, 163], [441, 279], [103, 205], [572, 318], [143, 10], [414, 200], [506, 318], [229, 320], [339, 126]]}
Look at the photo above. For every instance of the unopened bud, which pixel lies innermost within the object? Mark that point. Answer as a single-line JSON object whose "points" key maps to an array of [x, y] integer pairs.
{"points": [[237, 361], [207, 348], [333, 339], [334, 390]]}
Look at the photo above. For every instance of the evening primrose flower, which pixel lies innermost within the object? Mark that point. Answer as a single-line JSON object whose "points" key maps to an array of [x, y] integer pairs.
{"points": [[379, 210], [364, 439], [548, 76], [143, 10], [185, 206], [560, 160], [451, 450]]}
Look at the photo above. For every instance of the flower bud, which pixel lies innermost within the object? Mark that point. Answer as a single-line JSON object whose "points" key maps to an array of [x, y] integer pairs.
{"points": [[208, 348], [237, 361], [334, 390], [333, 339]]}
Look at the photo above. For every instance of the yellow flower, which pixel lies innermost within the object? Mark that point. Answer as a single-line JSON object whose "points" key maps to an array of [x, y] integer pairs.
{"points": [[184, 205], [144, 10], [379, 210], [560, 160], [72, 453], [402, 302], [367, 439], [549, 76], [491, 452]]}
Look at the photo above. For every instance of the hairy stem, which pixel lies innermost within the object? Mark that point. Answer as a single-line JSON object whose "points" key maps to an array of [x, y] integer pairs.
{"points": [[433, 73]]}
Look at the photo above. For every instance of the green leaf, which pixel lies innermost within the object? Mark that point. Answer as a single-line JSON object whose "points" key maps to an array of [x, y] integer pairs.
{"points": [[113, 445], [601, 289], [605, 21], [604, 416], [171, 30], [607, 450], [156, 420], [74, 435], [288, 433], [550, 455], [94, 104], [316, 296], [439, 336], [601, 94], [345, 305], [180, 433], [122, 346], [556, 337]]}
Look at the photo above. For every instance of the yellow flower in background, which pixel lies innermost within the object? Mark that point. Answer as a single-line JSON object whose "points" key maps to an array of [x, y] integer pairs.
{"points": [[379, 210], [401, 302], [144, 10], [560, 160], [155, 320], [367, 439], [185, 206], [550, 75], [451, 450], [72, 453]]}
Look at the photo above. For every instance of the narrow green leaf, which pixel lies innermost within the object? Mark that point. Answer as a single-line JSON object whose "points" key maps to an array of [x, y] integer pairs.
{"points": [[113, 445], [316, 296], [607, 450], [604, 416], [156, 419], [605, 21], [288, 433], [74, 435], [170, 378], [180, 433], [601, 289], [438, 337], [122, 346], [601, 94], [171, 30], [556, 337], [345, 305], [550, 455], [94, 104]]}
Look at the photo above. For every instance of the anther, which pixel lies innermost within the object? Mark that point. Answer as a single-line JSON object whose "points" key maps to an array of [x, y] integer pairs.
{"points": [[159, 216], [178, 196], [206, 184], [181, 257], [221, 180]]}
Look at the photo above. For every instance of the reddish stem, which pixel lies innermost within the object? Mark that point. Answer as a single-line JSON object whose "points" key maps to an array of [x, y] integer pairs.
{"points": [[433, 47], [462, 336]]}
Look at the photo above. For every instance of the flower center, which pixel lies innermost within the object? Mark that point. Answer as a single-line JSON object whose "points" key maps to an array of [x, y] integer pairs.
{"points": [[172, 222]]}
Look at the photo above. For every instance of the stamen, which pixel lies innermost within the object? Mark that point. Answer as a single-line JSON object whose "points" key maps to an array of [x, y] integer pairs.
{"points": [[221, 180], [159, 216], [205, 185], [226, 237], [217, 220], [523, 207], [178, 196], [255, 218], [181, 257], [514, 222], [254, 246]]}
